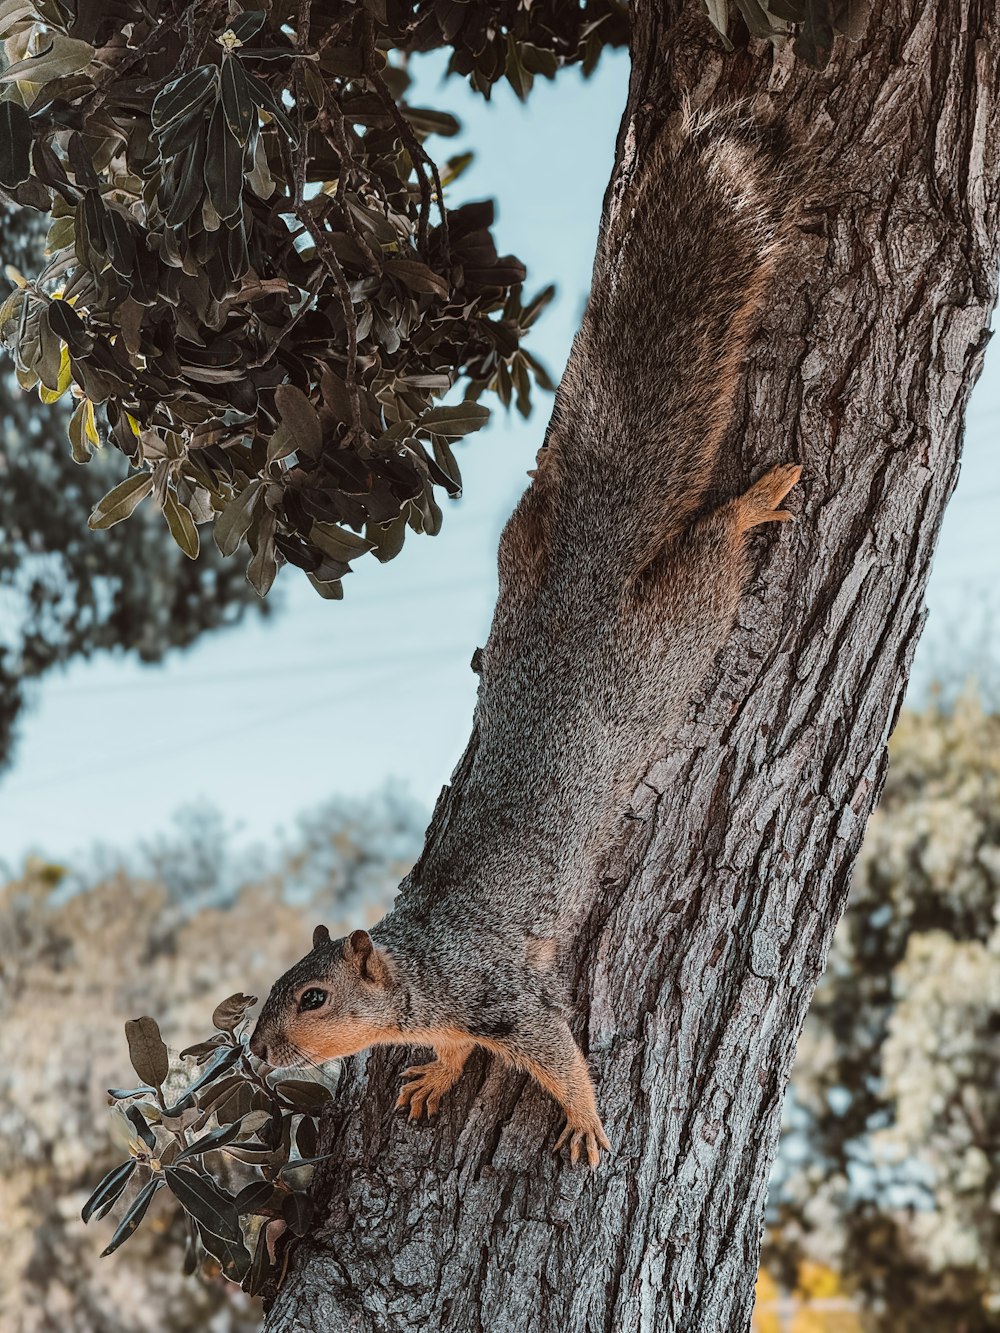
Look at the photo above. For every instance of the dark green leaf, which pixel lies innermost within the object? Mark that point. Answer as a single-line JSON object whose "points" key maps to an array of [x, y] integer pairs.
{"points": [[62, 56], [181, 523], [263, 566], [718, 14], [331, 591], [224, 167], [300, 417], [263, 97], [306, 1137], [200, 1197], [231, 1252], [537, 60], [49, 359], [388, 538], [232, 524], [756, 19], [535, 307], [134, 1216], [814, 43], [212, 1097], [418, 277], [246, 25], [189, 170], [304, 1096], [183, 97], [431, 122], [215, 1138], [304, 1162], [15, 144], [519, 78], [224, 1061], [201, 1050], [297, 1210], [338, 542], [108, 1191], [67, 325], [237, 103], [254, 1197], [454, 421], [260, 1269], [141, 1126], [451, 477]]}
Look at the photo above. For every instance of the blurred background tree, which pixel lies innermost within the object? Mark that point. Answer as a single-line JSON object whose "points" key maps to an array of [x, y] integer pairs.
{"points": [[890, 1170], [66, 591]]}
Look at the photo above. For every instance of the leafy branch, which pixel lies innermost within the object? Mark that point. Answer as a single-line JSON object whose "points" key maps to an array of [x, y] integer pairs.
{"points": [[235, 1148]]}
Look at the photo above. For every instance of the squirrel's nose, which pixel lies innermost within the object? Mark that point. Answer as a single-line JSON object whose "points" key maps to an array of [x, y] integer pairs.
{"points": [[258, 1045]]}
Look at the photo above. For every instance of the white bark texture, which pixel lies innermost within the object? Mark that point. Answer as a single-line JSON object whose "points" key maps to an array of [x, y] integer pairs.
{"points": [[731, 870]]}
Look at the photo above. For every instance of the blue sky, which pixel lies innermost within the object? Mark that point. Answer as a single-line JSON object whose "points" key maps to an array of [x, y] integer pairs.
{"points": [[271, 718]]}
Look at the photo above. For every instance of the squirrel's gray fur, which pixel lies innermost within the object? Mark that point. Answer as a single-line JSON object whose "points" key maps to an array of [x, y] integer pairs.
{"points": [[618, 586]]}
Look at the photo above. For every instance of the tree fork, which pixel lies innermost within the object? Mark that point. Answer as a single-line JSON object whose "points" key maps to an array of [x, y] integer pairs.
{"points": [[727, 877]]}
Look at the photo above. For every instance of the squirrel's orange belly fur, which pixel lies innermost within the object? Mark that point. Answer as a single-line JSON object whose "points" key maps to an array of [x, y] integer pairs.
{"points": [[618, 588]]}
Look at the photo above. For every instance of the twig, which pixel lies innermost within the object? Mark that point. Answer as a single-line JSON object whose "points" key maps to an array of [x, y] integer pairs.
{"points": [[328, 255], [302, 151], [303, 309], [336, 134], [418, 154]]}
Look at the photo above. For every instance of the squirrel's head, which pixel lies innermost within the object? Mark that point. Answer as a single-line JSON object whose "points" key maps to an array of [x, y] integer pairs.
{"points": [[339, 999]]}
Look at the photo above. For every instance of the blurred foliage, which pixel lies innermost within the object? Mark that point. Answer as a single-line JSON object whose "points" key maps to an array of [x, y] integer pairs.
{"points": [[65, 592], [818, 1303], [891, 1165], [174, 953]]}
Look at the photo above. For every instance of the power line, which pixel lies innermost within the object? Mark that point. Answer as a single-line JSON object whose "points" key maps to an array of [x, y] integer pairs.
{"points": [[328, 665], [255, 726]]}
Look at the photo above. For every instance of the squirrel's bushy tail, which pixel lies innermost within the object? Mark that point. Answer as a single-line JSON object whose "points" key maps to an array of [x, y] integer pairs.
{"points": [[695, 239]]}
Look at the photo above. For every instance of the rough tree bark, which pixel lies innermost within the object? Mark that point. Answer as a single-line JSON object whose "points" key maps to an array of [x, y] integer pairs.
{"points": [[732, 868]]}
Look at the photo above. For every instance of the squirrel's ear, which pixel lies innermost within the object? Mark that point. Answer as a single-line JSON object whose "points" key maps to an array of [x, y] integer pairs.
{"points": [[369, 961], [320, 936], [360, 944]]}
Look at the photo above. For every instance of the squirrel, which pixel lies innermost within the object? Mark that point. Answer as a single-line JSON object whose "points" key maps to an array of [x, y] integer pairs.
{"points": [[619, 583]]}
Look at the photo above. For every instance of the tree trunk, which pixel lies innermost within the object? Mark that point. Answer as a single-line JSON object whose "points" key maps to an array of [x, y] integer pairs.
{"points": [[727, 877]]}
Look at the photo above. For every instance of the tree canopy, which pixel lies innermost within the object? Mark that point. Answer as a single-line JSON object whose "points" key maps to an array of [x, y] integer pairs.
{"points": [[251, 268]]}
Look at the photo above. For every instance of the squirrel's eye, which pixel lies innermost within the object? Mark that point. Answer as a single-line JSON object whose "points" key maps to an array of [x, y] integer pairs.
{"points": [[312, 999]]}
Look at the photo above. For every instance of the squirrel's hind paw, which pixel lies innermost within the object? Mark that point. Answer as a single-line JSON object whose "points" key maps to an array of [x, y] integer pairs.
{"points": [[584, 1136], [758, 504]]}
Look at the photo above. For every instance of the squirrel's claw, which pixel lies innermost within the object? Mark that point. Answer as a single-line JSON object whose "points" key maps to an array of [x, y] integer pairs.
{"points": [[587, 1137], [422, 1095]]}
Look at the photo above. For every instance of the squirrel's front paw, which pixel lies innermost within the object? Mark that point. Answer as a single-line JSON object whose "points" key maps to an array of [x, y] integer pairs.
{"points": [[583, 1134], [423, 1093]]}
